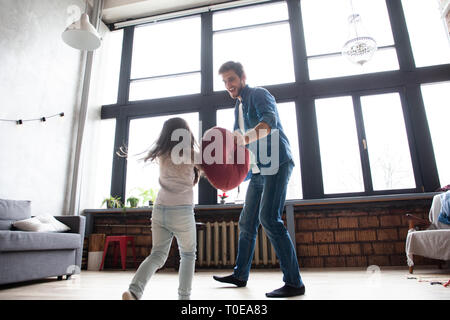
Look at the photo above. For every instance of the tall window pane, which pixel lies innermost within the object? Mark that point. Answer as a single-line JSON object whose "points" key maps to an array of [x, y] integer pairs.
{"points": [[166, 54], [326, 30], [264, 50], [338, 141], [100, 179], [387, 143], [288, 118], [110, 57], [143, 133], [426, 32], [436, 97]]}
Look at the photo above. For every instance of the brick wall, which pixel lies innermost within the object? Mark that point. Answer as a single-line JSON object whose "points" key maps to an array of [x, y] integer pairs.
{"points": [[356, 235], [327, 235]]}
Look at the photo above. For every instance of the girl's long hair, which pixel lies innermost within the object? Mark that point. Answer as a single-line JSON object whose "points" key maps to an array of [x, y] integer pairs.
{"points": [[164, 144]]}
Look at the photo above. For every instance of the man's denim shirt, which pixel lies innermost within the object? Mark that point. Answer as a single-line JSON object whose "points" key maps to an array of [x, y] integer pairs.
{"points": [[259, 105]]}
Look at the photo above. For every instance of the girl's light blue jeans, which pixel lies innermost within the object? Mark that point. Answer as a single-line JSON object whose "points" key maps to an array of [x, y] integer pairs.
{"points": [[167, 222]]}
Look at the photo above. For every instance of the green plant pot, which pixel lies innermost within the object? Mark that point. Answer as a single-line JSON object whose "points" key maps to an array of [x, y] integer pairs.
{"points": [[110, 204], [133, 202]]}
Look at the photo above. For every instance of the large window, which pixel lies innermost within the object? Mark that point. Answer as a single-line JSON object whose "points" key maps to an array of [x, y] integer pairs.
{"points": [[354, 130], [166, 59], [259, 38], [327, 29], [382, 136]]}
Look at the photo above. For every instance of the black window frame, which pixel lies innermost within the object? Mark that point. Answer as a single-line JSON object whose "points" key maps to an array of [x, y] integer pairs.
{"points": [[363, 151], [407, 81]]}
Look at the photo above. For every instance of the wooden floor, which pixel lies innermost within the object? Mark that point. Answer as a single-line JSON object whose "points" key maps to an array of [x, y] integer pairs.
{"points": [[321, 284]]}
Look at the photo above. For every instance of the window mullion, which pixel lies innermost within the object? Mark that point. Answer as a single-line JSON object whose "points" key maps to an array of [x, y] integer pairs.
{"points": [[207, 116], [362, 142], [312, 178], [206, 63], [125, 66], [412, 142], [423, 142], [298, 41], [401, 36], [119, 167], [118, 176]]}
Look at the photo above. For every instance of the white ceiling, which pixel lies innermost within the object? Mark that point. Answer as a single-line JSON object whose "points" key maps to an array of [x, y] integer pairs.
{"points": [[121, 10]]}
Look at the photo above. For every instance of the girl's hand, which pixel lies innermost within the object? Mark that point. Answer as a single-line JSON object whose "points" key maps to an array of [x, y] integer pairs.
{"points": [[239, 138]]}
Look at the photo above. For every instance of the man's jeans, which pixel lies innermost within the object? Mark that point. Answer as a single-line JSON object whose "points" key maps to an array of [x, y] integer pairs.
{"points": [[264, 204], [167, 222]]}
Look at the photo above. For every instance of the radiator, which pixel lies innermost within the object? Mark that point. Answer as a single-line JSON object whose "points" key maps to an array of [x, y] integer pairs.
{"points": [[217, 246]]}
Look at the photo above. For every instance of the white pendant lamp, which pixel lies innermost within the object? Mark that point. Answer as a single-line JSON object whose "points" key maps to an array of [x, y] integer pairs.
{"points": [[82, 35]]}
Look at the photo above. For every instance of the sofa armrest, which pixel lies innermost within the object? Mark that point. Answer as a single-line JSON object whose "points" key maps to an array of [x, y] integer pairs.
{"points": [[75, 223]]}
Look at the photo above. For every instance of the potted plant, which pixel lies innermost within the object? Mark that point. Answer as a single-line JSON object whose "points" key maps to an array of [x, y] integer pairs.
{"points": [[222, 197], [133, 202], [148, 195], [112, 202]]}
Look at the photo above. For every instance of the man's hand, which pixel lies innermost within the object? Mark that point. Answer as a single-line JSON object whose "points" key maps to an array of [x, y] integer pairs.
{"points": [[258, 132]]}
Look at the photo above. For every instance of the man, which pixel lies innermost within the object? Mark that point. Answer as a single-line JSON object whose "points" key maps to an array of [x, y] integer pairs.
{"points": [[257, 125]]}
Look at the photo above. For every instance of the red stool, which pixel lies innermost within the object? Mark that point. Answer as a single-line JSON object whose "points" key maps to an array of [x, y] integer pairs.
{"points": [[122, 241]]}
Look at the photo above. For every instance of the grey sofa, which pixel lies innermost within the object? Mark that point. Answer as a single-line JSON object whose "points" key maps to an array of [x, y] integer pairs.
{"points": [[26, 255]]}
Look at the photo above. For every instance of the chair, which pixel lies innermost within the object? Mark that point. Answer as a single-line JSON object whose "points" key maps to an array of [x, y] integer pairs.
{"points": [[428, 238], [119, 241]]}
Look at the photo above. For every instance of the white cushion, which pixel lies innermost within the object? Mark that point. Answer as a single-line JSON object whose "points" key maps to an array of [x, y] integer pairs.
{"points": [[42, 223]]}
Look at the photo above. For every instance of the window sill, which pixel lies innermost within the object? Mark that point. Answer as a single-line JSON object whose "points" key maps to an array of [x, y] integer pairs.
{"points": [[295, 203], [363, 199]]}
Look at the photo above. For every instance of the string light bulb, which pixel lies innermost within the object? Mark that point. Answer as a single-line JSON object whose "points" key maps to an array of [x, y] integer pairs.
{"points": [[41, 119]]}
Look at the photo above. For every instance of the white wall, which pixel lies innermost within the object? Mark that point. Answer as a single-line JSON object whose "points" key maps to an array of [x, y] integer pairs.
{"points": [[39, 76]]}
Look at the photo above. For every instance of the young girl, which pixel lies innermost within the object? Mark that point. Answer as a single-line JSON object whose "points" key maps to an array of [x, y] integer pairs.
{"points": [[173, 213]]}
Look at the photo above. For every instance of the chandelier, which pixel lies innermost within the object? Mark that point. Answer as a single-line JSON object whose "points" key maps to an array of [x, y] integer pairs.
{"points": [[360, 47]]}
